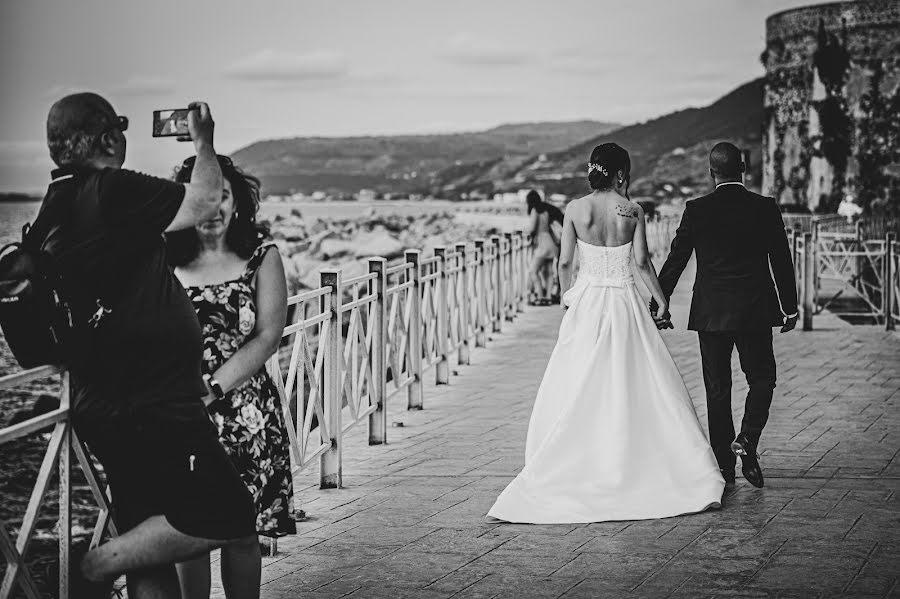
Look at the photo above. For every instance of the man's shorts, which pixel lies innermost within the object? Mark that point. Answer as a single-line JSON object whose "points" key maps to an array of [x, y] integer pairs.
{"points": [[174, 467]]}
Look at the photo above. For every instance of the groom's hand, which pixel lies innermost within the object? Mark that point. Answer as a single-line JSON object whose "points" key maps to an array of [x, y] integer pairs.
{"points": [[789, 323], [662, 320]]}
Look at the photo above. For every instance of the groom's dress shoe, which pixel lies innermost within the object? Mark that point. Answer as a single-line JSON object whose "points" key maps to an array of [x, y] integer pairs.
{"points": [[749, 460]]}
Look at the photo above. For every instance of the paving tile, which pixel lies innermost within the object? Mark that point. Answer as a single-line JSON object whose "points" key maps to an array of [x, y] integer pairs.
{"points": [[410, 521]]}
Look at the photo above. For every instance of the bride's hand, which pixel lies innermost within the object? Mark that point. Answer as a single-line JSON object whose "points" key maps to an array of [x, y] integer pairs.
{"points": [[663, 319]]}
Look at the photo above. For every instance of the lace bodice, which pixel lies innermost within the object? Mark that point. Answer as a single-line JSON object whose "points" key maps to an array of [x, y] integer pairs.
{"points": [[609, 263]]}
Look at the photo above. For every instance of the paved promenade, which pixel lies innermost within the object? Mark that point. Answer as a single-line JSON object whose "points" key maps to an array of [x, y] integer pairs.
{"points": [[410, 520]]}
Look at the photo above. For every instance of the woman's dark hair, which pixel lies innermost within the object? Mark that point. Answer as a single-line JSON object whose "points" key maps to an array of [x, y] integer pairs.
{"points": [[534, 202], [605, 163], [244, 234]]}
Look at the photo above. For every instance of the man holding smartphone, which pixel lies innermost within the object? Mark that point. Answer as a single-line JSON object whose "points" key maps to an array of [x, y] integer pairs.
{"points": [[135, 360]]}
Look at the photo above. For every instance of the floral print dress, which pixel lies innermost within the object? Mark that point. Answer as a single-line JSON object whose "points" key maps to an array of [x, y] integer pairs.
{"points": [[249, 418]]}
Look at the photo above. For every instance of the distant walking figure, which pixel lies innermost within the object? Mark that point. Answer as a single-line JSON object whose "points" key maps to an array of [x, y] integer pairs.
{"points": [[237, 286], [744, 287], [546, 250], [613, 434]]}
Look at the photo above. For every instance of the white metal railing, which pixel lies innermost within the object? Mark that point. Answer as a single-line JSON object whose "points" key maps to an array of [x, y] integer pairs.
{"points": [[63, 443], [836, 258], [357, 343]]}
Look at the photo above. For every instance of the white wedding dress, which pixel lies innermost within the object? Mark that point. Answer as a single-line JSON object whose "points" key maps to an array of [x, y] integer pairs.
{"points": [[613, 434]]}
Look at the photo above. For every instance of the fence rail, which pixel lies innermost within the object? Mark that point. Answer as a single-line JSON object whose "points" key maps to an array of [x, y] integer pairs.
{"points": [[358, 343], [62, 445], [353, 346], [836, 260]]}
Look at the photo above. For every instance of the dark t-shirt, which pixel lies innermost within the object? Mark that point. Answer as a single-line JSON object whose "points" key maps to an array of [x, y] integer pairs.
{"points": [[146, 353]]}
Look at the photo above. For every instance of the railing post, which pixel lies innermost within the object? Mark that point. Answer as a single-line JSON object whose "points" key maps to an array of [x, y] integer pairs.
{"points": [[481, 298], [65, 495], [887, 285], [809, 281], [796, 235], [521, 278], [464, 305], [378, 322], [510, 278], [330, 467], [500, 313], [442, 368], [414, 391], [815, 264]]}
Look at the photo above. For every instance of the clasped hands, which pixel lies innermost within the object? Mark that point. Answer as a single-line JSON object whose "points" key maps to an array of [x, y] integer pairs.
{"points": [[661, 318]]}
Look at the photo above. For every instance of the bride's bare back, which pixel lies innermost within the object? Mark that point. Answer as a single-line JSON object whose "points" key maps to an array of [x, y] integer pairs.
{"points": [[607, 219], [604, 219]]}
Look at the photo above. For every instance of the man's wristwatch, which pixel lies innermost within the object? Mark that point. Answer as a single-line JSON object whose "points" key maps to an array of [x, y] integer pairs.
{"points": [[214, 386]]}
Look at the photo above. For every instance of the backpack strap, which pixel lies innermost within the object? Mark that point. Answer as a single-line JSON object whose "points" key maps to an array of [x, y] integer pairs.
{"points": [[55, 209], [59, 205], [256, 261]]}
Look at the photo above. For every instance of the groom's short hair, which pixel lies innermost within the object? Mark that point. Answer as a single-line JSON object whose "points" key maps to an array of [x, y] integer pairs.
{"points": [[725, 160]]}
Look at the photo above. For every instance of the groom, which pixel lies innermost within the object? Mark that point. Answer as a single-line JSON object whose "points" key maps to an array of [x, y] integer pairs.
{"points": [[744, 286]]}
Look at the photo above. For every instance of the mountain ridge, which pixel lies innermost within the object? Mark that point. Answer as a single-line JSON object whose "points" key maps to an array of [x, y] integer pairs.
{"points": [[656, 145], [399, 162], [668, 152]]}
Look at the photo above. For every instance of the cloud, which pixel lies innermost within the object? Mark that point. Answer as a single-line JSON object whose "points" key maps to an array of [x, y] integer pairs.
{"points": [[470, 50], [274, 66], [590, 60], [144, 85]]}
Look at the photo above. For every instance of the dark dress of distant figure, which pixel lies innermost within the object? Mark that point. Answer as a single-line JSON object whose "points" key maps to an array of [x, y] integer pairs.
{"points": [[744, 286]]}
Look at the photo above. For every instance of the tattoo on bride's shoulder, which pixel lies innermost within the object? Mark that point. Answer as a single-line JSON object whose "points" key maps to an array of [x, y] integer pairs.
{"points": [[629, 210]]}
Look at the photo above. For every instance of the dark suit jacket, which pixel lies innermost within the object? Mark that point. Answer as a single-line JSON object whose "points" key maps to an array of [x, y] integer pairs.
{"points": [[745, 276]]}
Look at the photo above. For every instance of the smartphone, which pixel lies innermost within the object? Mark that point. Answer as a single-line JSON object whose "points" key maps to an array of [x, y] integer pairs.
{"points": [[171, 123]]}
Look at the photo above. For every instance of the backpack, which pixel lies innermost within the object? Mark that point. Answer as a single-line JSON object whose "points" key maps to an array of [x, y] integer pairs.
{"points": [[35, 312]]}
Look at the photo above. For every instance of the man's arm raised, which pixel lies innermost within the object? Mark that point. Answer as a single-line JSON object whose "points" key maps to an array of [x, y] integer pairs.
{"points": [[203, 195]]}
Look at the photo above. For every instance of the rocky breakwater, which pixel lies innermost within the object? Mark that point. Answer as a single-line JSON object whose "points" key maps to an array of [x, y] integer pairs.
{"points": [[308, 246]]}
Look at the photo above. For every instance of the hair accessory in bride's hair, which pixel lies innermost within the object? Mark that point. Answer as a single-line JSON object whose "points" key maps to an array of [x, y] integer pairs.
{"points": [[597, 167]]}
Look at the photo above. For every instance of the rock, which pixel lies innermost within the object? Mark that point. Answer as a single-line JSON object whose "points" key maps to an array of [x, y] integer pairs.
{"points": [[315, 239], [336, 248], [304, 264], [378, 242]]}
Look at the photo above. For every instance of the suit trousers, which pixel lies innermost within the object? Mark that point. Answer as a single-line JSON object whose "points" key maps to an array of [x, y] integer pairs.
{"points": [[757, 360]]}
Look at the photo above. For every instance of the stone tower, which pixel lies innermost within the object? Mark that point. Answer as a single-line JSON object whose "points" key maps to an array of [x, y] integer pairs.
{"points": [[832, 105]]}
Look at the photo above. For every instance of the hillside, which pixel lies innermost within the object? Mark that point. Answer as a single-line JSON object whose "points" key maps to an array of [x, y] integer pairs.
{"points": [[672, 149], [669, 155], [402, 162]]}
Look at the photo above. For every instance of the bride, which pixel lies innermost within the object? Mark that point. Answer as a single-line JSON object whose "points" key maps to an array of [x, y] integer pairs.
{"points": [[613, 434]]}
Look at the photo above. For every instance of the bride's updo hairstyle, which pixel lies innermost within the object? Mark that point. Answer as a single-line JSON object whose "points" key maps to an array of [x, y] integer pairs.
{"points": [[606, 162]]}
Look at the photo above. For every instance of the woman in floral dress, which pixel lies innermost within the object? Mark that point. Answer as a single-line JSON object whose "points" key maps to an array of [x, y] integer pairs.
{"points": [[237, 285]]}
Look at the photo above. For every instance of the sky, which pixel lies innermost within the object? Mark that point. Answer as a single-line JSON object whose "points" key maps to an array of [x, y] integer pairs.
{"points": [[288, 68]]}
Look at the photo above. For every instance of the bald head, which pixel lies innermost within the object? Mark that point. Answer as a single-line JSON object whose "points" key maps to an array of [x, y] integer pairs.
{"points": [[726, 161], [73, 126]]}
